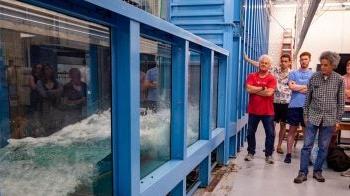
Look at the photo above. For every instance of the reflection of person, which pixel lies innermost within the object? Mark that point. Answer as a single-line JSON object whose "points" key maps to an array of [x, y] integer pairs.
{"points": [[261, 86], [346, 79], [35, 99], [50, 90], [324, 106], [74, 96], [151, 84], [143, 90], [297, 81]]}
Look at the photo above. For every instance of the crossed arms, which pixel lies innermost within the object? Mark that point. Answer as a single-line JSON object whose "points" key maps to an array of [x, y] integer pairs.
{"points": [[258, 90]]}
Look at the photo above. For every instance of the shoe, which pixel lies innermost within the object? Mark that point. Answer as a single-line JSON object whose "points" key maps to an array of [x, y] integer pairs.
{"points": [[318, 176], [300, 178], [269, 160], [346, 173], [279, 150], [288, 158], [249, 157]]}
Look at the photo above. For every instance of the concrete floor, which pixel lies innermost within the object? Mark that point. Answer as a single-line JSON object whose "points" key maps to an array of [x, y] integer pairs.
{"points": [[258, 178]]}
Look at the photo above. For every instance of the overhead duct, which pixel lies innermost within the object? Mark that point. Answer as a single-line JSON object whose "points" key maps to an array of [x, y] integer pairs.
{"points": [[310, 15]]}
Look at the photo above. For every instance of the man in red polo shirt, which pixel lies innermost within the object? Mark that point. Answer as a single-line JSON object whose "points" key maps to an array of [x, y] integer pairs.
{"points": [[261, 86]]}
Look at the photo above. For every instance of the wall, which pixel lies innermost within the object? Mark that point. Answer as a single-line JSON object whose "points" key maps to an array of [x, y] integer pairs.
{"points": [[281, 16], [329, 31]]}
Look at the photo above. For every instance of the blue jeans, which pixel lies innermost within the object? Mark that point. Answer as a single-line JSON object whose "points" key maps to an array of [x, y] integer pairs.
{"points": [[324, 137], [269, 127]]}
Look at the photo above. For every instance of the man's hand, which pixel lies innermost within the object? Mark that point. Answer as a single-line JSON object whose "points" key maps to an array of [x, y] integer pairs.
{"points": [[337, 127], [305, 121]]}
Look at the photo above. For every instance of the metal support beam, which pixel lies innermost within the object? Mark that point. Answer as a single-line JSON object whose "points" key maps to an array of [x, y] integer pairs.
{"points": [[307, 22]]}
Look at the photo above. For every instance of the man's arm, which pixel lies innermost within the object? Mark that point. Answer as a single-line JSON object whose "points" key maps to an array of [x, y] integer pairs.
{"points": [[253, 89], [266, 93], [297, 87], [246, 58], [340, 101], [307, 101]]}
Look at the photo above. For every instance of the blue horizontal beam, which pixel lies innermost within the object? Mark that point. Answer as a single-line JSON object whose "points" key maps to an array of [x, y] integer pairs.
{"points": [[134, 13], [197, 3], [171, 173]]}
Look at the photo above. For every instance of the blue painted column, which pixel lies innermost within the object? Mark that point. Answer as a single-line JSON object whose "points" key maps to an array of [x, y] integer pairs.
{"points": [[236, 57], [207, 58], [126, 107], [224, 103], [180, 60]]}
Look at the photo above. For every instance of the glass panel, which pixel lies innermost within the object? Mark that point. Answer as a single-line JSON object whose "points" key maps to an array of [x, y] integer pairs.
{"points": [[155, 84], [194, 91], [156, 7], [55, 87], [214, 111]]}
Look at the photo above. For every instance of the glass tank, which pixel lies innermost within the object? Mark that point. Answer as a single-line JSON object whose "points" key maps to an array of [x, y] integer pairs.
{"points": [[55, 95], [214, 111], [155, 103], [194, 91], [156, 7]]}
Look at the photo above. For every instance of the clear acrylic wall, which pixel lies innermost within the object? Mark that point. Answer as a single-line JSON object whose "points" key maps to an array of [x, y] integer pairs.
{"points": [[56, 75], [155, 103]]}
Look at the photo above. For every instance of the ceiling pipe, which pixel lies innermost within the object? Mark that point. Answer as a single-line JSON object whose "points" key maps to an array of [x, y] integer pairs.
{"points": [[307, 22]]}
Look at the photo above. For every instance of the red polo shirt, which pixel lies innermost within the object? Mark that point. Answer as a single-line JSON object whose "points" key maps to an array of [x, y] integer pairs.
{"points": [[260, 105]]}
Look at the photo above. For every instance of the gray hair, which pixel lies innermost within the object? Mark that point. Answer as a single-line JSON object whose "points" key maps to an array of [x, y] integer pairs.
{"points": [[332, 57], [265, 56]]}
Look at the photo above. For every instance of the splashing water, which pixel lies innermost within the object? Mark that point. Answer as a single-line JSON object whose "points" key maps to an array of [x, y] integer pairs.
{"points": [[56, 165]]}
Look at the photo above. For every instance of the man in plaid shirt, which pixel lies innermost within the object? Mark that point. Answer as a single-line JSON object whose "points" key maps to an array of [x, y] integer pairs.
{"points": [[324, 106]]}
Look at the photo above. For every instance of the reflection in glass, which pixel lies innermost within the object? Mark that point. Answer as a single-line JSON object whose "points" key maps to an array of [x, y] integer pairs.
{"points": [[55, 95], [214, 111], [156, 7], [194, 90], [155, 95]]}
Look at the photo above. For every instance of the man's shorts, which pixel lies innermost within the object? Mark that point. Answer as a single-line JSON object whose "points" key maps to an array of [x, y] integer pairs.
{"points": [[295, 117], [281, 110]]}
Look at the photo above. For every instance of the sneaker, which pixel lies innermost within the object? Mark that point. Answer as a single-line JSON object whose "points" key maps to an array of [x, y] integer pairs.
{"points": [[269, 160], [279, 150], [346, 173], [288, 158], [300, 178], [249, 157], [318, 176]]}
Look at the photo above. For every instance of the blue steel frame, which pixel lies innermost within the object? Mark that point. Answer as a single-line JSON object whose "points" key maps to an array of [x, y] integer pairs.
{"points": [[127, 24], [238, 26]]}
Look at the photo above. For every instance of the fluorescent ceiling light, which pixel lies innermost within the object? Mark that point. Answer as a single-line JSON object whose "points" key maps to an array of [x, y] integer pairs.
{"points": [[25, 35]]}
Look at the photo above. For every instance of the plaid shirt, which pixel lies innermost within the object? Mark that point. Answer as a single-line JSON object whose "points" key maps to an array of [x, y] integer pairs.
{"points": [[324, 99]]}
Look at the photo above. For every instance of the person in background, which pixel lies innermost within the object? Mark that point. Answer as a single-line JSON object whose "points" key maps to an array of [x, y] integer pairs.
{"points": [[74, 97], [323, 109], [346, 79], [50, 91], [151, 84], [297, 82], [282, 94], [35, 99], [261, 86]]}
